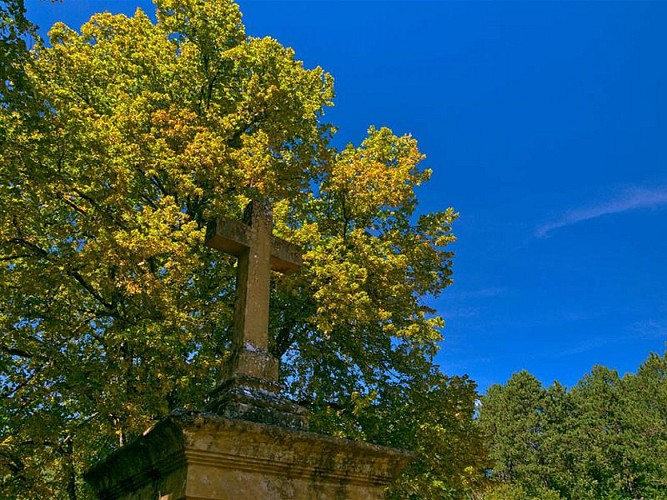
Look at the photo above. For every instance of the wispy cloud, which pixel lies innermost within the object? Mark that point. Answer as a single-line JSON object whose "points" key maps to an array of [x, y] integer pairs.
{"points": [[631, 199], [585, 346], [641, 330], [477, 293], [651, 329], [460, 312]]}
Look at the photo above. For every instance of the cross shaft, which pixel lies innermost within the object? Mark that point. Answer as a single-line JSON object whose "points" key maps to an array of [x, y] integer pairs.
{"points": [[258, 253]]}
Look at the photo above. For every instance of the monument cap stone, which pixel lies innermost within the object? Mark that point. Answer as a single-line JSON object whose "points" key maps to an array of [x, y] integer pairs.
{"points": [[201, 456]]}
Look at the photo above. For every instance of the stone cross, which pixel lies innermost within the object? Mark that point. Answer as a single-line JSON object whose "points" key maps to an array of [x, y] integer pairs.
{"points": [[258, 252]]}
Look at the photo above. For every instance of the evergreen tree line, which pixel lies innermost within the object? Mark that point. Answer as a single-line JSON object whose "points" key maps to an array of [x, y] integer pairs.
{"points": [[606, 437]]}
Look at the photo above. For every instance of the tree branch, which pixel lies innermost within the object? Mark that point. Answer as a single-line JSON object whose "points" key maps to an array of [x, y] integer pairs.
{"points": [[74, 274]]}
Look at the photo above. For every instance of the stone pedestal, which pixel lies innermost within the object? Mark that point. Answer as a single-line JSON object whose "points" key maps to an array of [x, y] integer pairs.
{"points": [[250, 391], [252, 442], [197, 456]]}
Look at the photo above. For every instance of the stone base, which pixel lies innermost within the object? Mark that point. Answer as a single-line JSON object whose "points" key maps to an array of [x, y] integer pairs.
{"points": [[256, 401], [202, 456], [250, 391]]}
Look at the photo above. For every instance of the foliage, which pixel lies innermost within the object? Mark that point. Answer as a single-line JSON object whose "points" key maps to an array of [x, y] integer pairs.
{"points": [[510, 491], [645, 418], [434, 418], [515, 430], [14, 28], [119, 144], [605, 438]]}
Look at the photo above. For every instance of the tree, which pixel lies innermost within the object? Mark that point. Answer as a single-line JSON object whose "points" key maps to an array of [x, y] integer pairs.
{"points": [[605, 438], [14, 28], [434, 418], [516, 419], [113, 312], [644, 420], [600, 460], [559, 440], [510, 415]]}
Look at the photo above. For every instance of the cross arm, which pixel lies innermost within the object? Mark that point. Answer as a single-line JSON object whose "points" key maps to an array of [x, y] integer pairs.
{"points": [[285, 256], [229, 236], [235, 238]]}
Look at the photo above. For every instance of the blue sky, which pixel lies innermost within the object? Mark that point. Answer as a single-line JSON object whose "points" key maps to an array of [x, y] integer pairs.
{"points": [[545, 126]]}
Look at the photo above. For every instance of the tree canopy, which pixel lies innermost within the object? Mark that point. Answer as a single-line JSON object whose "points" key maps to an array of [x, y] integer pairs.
{"points": [[119, 143], [605, 438]]}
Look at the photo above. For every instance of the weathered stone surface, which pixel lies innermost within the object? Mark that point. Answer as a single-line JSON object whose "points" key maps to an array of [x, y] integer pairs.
{"points": [[197, 456], [250, 400], [259, 252], [249, 388]]}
